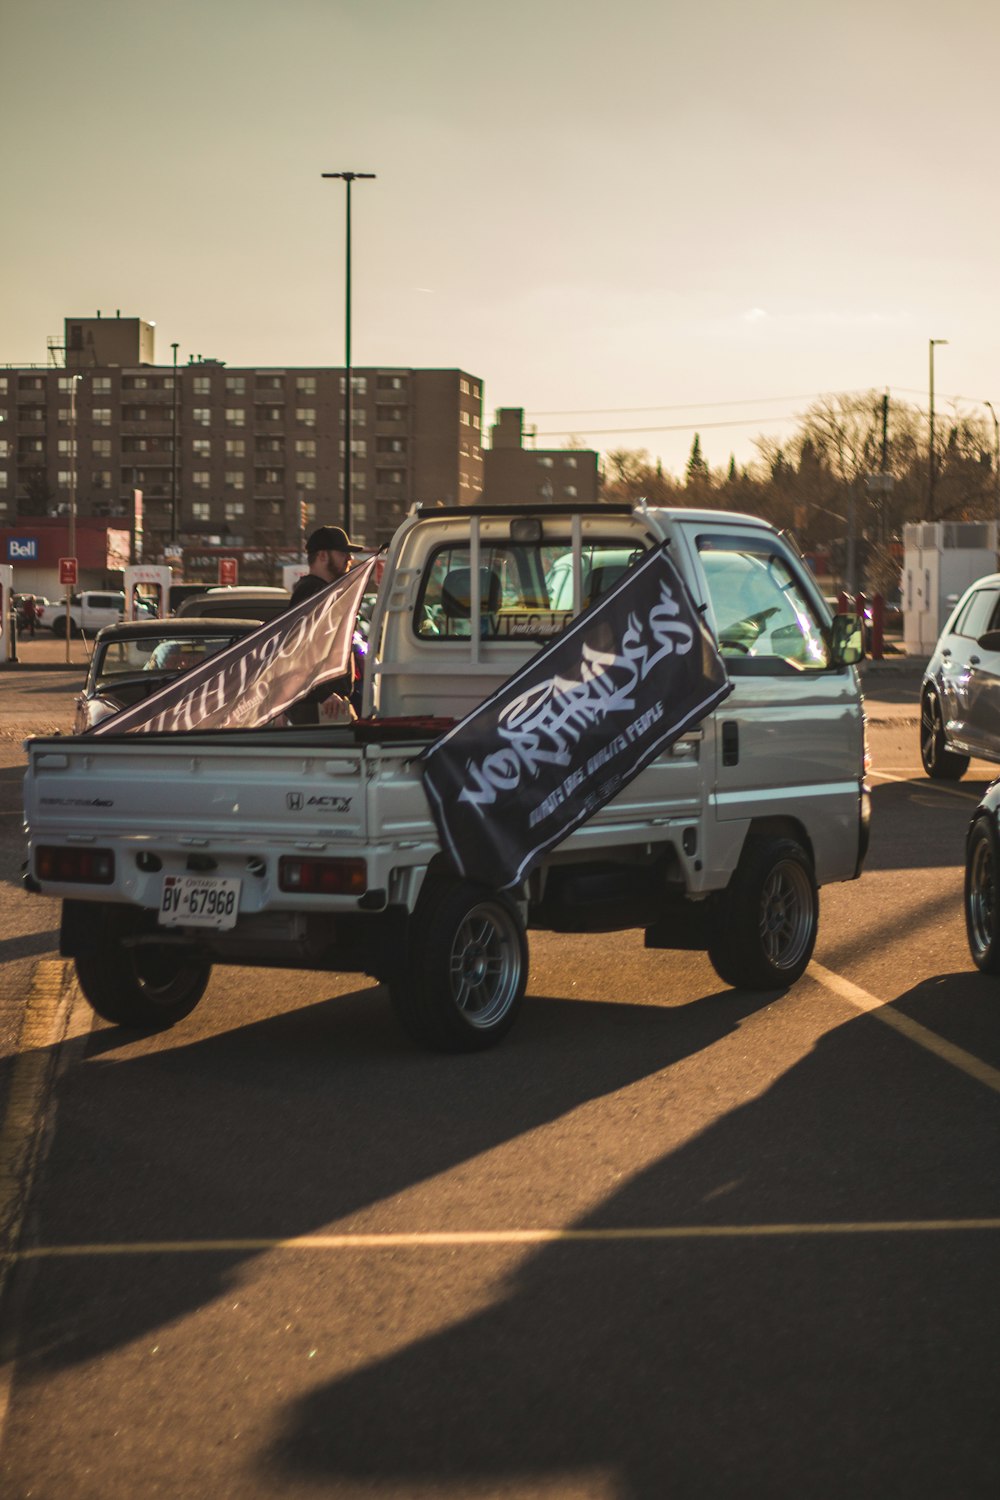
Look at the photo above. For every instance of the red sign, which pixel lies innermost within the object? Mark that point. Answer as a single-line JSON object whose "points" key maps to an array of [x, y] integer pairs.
{"points": [[228, 571], [67, 571]]}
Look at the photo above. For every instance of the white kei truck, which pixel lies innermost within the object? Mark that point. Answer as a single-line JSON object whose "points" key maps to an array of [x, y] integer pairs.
{"points": [[316, 846]]}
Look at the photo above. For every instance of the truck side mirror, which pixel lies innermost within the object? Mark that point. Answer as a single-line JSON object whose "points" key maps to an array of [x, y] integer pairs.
{"points": [[847, 644]]}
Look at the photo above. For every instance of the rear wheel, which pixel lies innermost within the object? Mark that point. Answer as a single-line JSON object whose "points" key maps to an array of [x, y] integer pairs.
{"points": [[468, 967], [59, 625], [765, 921], [982, 871], [147, 986], [939, 762]]}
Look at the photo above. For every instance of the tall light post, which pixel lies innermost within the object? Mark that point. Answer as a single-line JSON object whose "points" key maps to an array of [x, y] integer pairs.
{"points": [[996, 467], [173, 459], [930, 446], [348, 178], [73, 384]]}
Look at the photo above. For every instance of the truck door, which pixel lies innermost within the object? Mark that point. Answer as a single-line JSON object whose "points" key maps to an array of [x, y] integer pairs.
{"points": [[789, 739]]}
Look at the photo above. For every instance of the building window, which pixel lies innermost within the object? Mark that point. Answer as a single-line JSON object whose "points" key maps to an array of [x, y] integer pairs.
{"points": [[463, 417], [3, 479], [545, 463], [3, 385], [570, 461], [359, 417], [66, 382], [235, 447], [236, 385], [4, 448], [101, 385], [270, 414], [234, 479], [475, 420], [306, 415], [201, 478], [101, 416], [305, 447], [269, 476], [305, 385], [234, 510], [135, 383], [569, 490], [67, 447], [235, 416], [359, 385], [305, 479], [101, 479], [389, 383], [201, 510], [64, 479], [270, 382], [202, 385], [201, 416], [202, 447], [359, 447], [391, 445]]}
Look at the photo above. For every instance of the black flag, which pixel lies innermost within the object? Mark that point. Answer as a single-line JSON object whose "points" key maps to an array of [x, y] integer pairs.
{"points": [[562, 736]]}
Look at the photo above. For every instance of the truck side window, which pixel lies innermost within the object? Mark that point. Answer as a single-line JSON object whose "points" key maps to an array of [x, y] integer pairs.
{"points": [[761, 609]]}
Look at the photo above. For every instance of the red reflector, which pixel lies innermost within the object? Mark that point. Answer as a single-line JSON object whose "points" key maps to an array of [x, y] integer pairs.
{"points": [[323, 877], [75, 866]]}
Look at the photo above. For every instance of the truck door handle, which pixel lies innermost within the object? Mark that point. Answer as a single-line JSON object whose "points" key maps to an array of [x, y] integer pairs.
{"points": [[730, 743]]}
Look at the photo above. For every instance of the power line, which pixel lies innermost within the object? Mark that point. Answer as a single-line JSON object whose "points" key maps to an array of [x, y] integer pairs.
{"points": [[593, 411], [681, 427]]}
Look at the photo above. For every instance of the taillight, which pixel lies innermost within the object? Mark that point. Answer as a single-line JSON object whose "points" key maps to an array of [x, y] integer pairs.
{"points": [[323, 877], [75, 866]]}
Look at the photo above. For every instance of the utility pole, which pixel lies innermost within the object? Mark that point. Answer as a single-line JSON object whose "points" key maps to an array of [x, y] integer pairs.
{"points": [[348, 178], [930, 445]]}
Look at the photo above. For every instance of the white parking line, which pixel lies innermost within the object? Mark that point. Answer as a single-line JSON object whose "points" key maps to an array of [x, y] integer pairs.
{"points": [[475, 1238], [883, 1011]]}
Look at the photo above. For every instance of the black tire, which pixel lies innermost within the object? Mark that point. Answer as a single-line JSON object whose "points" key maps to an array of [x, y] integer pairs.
{"points": [[59, 626], [468, 967], [982, 872], [940, 763], [149, 987], [763, 927]]}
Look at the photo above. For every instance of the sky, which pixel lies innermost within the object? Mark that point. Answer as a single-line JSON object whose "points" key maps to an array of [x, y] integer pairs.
{"points": [[634, 220]]}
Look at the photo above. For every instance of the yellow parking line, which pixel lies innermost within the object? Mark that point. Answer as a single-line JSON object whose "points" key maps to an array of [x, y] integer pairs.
{"points": [[883, 1011], [472, 1238]]}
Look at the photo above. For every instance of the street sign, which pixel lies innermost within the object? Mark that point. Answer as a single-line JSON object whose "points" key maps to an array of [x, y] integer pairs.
{"points": [[228, 570], [67, 571]]}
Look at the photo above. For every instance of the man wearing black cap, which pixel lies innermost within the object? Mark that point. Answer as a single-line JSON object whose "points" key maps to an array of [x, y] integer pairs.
{"points": [[328, 552]]}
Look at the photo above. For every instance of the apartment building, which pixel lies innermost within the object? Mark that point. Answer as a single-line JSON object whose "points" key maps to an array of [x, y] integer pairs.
{"points": [[516, 475], [236, 457]]}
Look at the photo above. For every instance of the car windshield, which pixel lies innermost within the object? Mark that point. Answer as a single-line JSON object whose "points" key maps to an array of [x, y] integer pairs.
{"points": [[124, 658]]}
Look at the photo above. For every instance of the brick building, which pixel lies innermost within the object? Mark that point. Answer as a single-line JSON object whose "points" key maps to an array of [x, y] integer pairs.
{"points": [[516, 475], [234, 457]]}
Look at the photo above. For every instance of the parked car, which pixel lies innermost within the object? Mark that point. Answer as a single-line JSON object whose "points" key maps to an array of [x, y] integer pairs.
{"points": [[90, 611], [135, 657], [236, 603], [960, 693]]}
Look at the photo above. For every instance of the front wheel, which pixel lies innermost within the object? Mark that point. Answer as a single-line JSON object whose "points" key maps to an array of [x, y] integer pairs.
{"points": [[149, 987], [940, 763], [982, 869], [467, 969], [765, 922]]}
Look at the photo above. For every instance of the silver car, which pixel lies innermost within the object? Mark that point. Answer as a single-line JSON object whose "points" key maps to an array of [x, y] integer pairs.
{"points": [[960, 694]]}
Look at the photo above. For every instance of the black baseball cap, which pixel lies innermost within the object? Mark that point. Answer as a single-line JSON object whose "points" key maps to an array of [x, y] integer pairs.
{"points": [[329, 539]]}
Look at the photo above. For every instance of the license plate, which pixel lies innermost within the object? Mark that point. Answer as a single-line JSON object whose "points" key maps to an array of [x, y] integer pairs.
{"points": [[199, 901]]}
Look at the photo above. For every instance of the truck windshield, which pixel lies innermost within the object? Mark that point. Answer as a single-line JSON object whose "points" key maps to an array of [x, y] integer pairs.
{"points": [[525, 588]]}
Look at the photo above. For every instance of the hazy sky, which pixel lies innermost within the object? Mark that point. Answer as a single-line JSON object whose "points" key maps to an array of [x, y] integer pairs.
{"points": [[635, 215]]}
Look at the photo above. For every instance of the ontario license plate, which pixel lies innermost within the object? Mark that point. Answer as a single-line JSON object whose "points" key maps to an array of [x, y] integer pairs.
{"points": [[199, 901]]}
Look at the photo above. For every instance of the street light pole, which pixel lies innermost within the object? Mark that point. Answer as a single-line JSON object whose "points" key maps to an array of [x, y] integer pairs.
{"points": [[173, 459], [930, 445], [348, 178], [74, 382]]}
